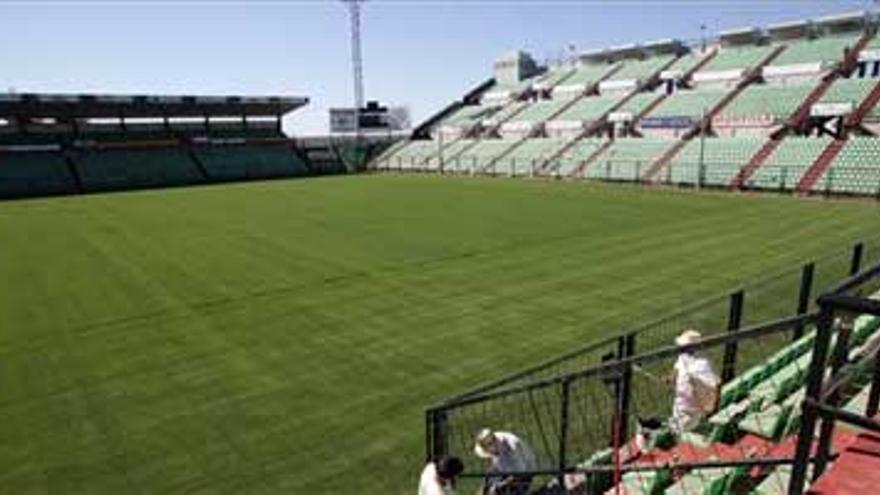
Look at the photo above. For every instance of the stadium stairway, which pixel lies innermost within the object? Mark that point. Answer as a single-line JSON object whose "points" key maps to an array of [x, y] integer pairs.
{"points": [[593, 88], [758, 418], [199, 165], [688, 76], [856, 118], [653, 172], [820, 166], [846, 67], [74, 173], [580, 169], [600, 122], [631, 129], [856, 471], [755, 163]]}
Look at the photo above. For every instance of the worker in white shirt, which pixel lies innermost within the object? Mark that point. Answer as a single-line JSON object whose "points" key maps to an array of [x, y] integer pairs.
{"points": [[507, 455], [438, 478], [697, 387]]}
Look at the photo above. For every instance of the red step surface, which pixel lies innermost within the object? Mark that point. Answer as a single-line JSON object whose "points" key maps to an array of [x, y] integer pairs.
{"points": [[755, 163], [820, 166], [856, 471]]}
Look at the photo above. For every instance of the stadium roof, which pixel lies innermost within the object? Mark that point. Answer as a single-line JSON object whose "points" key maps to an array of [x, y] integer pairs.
{"points": [[143, 106]]}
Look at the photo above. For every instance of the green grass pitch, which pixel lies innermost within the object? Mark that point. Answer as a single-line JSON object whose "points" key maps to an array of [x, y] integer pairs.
{"points": [[284, 337]]}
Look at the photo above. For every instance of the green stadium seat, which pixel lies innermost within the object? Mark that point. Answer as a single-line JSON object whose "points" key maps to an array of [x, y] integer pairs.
{"points": [[855, 170], [108, 170], [687, 62], [532, 152], [250, 162], [771, 421], [825, 49], [413, 155], [575, 155], [849, 91], [688, 103], [469, 115], [485, 151], [638, 103], [628, 159], [587, 74], [722, 159], [785, 166], [729, 58], [710, 481], [540, 111], [778, 101], [34, 173], [590, 108], [642, 69]]}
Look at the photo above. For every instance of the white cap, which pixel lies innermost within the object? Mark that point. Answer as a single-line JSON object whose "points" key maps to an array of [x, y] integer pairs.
{"points": [[688, 337]]}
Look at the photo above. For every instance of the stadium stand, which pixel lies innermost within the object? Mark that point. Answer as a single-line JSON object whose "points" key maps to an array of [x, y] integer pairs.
{"points": [[856, 170], [784, 168], [240, 162], [762, 437], [774, 101], [721, 160], [778, 107], [577, 159], [627, 159], [67, 144], [826, 49], [35, 173], [111, 170], [642, 69], [742, 58]]}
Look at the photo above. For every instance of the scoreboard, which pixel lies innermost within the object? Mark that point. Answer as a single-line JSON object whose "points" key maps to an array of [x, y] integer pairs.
{"points": [[373, 119]]}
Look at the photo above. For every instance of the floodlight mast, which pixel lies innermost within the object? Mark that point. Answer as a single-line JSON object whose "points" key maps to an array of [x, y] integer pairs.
{"points": [[357, 69]]}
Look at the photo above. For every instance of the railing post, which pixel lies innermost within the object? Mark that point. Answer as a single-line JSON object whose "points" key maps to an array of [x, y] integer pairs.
{"points": [[623, 383], [856, 265], [626, 348], [429, 440], [874, 395], [814, 392], [563, 429], [734, 321], [438, 434], [804, 297], [838, 359]]}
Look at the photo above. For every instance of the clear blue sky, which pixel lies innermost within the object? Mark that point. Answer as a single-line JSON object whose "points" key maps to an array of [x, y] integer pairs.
{"points": [[421, 54]]}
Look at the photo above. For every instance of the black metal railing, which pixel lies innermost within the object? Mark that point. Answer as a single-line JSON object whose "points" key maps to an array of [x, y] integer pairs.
{"points": [[839, 370], [580, 403]]}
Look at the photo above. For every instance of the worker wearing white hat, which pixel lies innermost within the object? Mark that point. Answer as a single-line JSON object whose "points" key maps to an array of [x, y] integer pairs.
{"points": [[506, 453], [696, 386]]}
